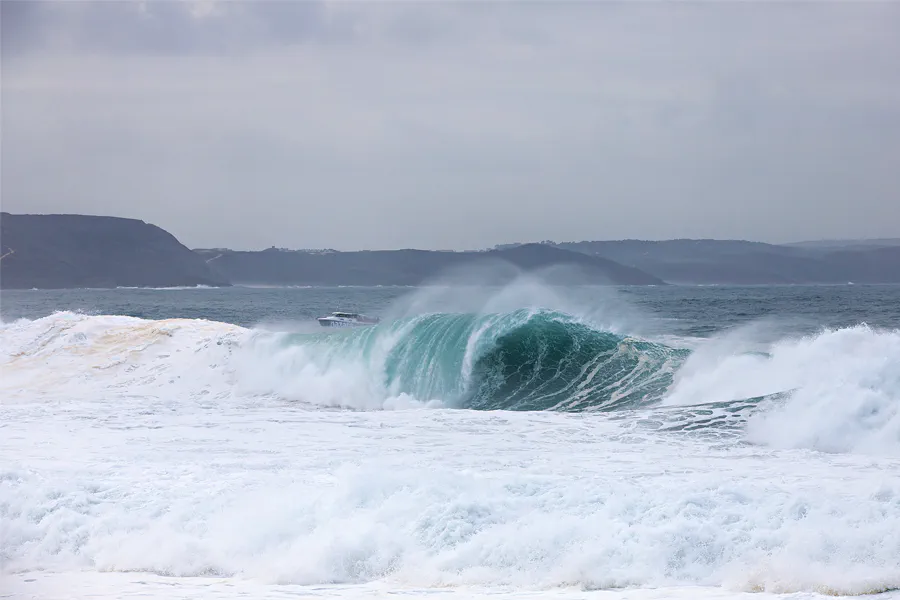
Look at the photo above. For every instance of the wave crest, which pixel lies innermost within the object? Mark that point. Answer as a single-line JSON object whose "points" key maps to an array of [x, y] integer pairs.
{"points": [[520, 360]]}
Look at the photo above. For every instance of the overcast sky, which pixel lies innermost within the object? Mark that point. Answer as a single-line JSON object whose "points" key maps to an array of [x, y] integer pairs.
{"points": [[354, 125]]}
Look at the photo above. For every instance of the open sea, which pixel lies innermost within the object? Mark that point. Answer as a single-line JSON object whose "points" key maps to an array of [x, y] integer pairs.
{"points": [[514, 442]]}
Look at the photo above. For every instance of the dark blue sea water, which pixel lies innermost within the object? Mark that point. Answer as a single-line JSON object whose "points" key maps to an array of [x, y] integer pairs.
{"points": [[677, 310]]}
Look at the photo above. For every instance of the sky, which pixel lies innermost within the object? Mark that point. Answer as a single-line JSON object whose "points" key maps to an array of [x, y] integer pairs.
{"points": [[455, 125]]}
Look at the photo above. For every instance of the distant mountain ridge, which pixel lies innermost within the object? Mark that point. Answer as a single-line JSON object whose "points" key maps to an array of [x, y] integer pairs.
{"points": [[412, 267], [846, 244], [68, 251], [679, 261], [81, 251], [742, 262]]}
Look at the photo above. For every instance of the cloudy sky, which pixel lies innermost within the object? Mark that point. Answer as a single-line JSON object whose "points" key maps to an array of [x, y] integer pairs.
{"points": [[456, 125]]}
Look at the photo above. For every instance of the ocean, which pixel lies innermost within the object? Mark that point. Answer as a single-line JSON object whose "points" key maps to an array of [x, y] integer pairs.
{"points": [[510, 442]]}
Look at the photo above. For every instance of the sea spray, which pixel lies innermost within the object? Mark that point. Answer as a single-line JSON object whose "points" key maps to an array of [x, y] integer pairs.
{"points": [[472, 290]]}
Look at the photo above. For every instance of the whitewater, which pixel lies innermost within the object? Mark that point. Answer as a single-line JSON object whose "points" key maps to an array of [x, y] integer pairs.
{"points": [[501, 448]]}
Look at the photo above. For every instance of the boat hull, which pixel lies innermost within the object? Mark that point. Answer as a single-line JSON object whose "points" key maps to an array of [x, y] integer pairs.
{"points": [[326, 322], [346, 319]]}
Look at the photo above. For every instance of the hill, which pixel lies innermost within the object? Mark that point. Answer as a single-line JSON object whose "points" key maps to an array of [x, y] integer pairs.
{"points": [[833, 245], [79, 251], [742, 262], [71, 251], [412, 267]]}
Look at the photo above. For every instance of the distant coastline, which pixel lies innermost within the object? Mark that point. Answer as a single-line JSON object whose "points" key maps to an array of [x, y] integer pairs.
{"points": [[79, 251]]}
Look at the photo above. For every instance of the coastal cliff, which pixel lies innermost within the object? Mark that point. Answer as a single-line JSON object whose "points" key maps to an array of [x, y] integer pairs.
{"points": [[79, 251]]}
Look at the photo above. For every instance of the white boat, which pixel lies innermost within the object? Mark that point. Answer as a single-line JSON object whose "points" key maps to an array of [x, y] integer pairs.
{"points": [[346, 319]]}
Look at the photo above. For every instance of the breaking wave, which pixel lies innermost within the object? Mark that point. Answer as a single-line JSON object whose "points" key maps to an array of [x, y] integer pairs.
{"points": [[196, 448], [836, 391], [520, 360]]}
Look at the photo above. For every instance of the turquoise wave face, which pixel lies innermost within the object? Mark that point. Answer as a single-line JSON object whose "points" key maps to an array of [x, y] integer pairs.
{"points": [[553, 363], [522, 360]]}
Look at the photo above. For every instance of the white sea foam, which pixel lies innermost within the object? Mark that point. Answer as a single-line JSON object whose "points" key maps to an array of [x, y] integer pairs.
{"points": [[52, 586], [844, 388], [90, 357], [162, 447]]}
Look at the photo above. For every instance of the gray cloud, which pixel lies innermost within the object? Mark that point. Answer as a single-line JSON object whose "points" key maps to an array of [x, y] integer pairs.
{"points": [[348, 125]]}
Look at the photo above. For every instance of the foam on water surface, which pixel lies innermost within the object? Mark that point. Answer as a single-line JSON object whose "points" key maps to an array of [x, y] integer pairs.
{"points": [[140, 585], [184, 451]]}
